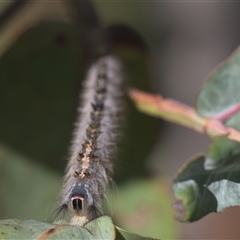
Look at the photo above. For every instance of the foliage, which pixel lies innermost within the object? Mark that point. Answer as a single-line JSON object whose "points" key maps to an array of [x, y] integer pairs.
{"points": [[101, 228], [208, 183]]}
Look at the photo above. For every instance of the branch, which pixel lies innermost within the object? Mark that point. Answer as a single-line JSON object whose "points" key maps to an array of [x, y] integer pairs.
{"points": [[179, 113]]}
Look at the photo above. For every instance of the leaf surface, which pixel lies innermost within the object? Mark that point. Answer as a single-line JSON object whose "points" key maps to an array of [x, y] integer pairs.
{"points": [[199, 191], [220, 93], [100, 228], [31, 229], [211, 182]]}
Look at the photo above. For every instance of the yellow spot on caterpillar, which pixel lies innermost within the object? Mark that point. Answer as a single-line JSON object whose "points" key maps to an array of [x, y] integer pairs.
{"points": [[86, 159]]}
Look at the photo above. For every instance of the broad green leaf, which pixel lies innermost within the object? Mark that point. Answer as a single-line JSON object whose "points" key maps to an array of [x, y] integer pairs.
{"points": [[100, 228], [199, 191], [219, 98], [220, 92]]}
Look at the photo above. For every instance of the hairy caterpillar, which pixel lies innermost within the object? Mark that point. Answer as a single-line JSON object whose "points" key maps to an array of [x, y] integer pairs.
{"points": [[89, 169]]}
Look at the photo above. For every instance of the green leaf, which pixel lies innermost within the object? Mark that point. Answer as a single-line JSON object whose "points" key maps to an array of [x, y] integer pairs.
{"points": [[199, 191], [100, 228], [220, 92], [211, 183], [219, 152], [219, 98]]}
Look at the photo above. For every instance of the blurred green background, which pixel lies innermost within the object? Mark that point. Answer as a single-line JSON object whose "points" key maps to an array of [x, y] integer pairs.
{"points": [[43, 60]]}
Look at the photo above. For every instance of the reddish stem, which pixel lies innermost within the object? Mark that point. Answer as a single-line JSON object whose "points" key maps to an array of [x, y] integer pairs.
{"points": [[227, 113]]}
